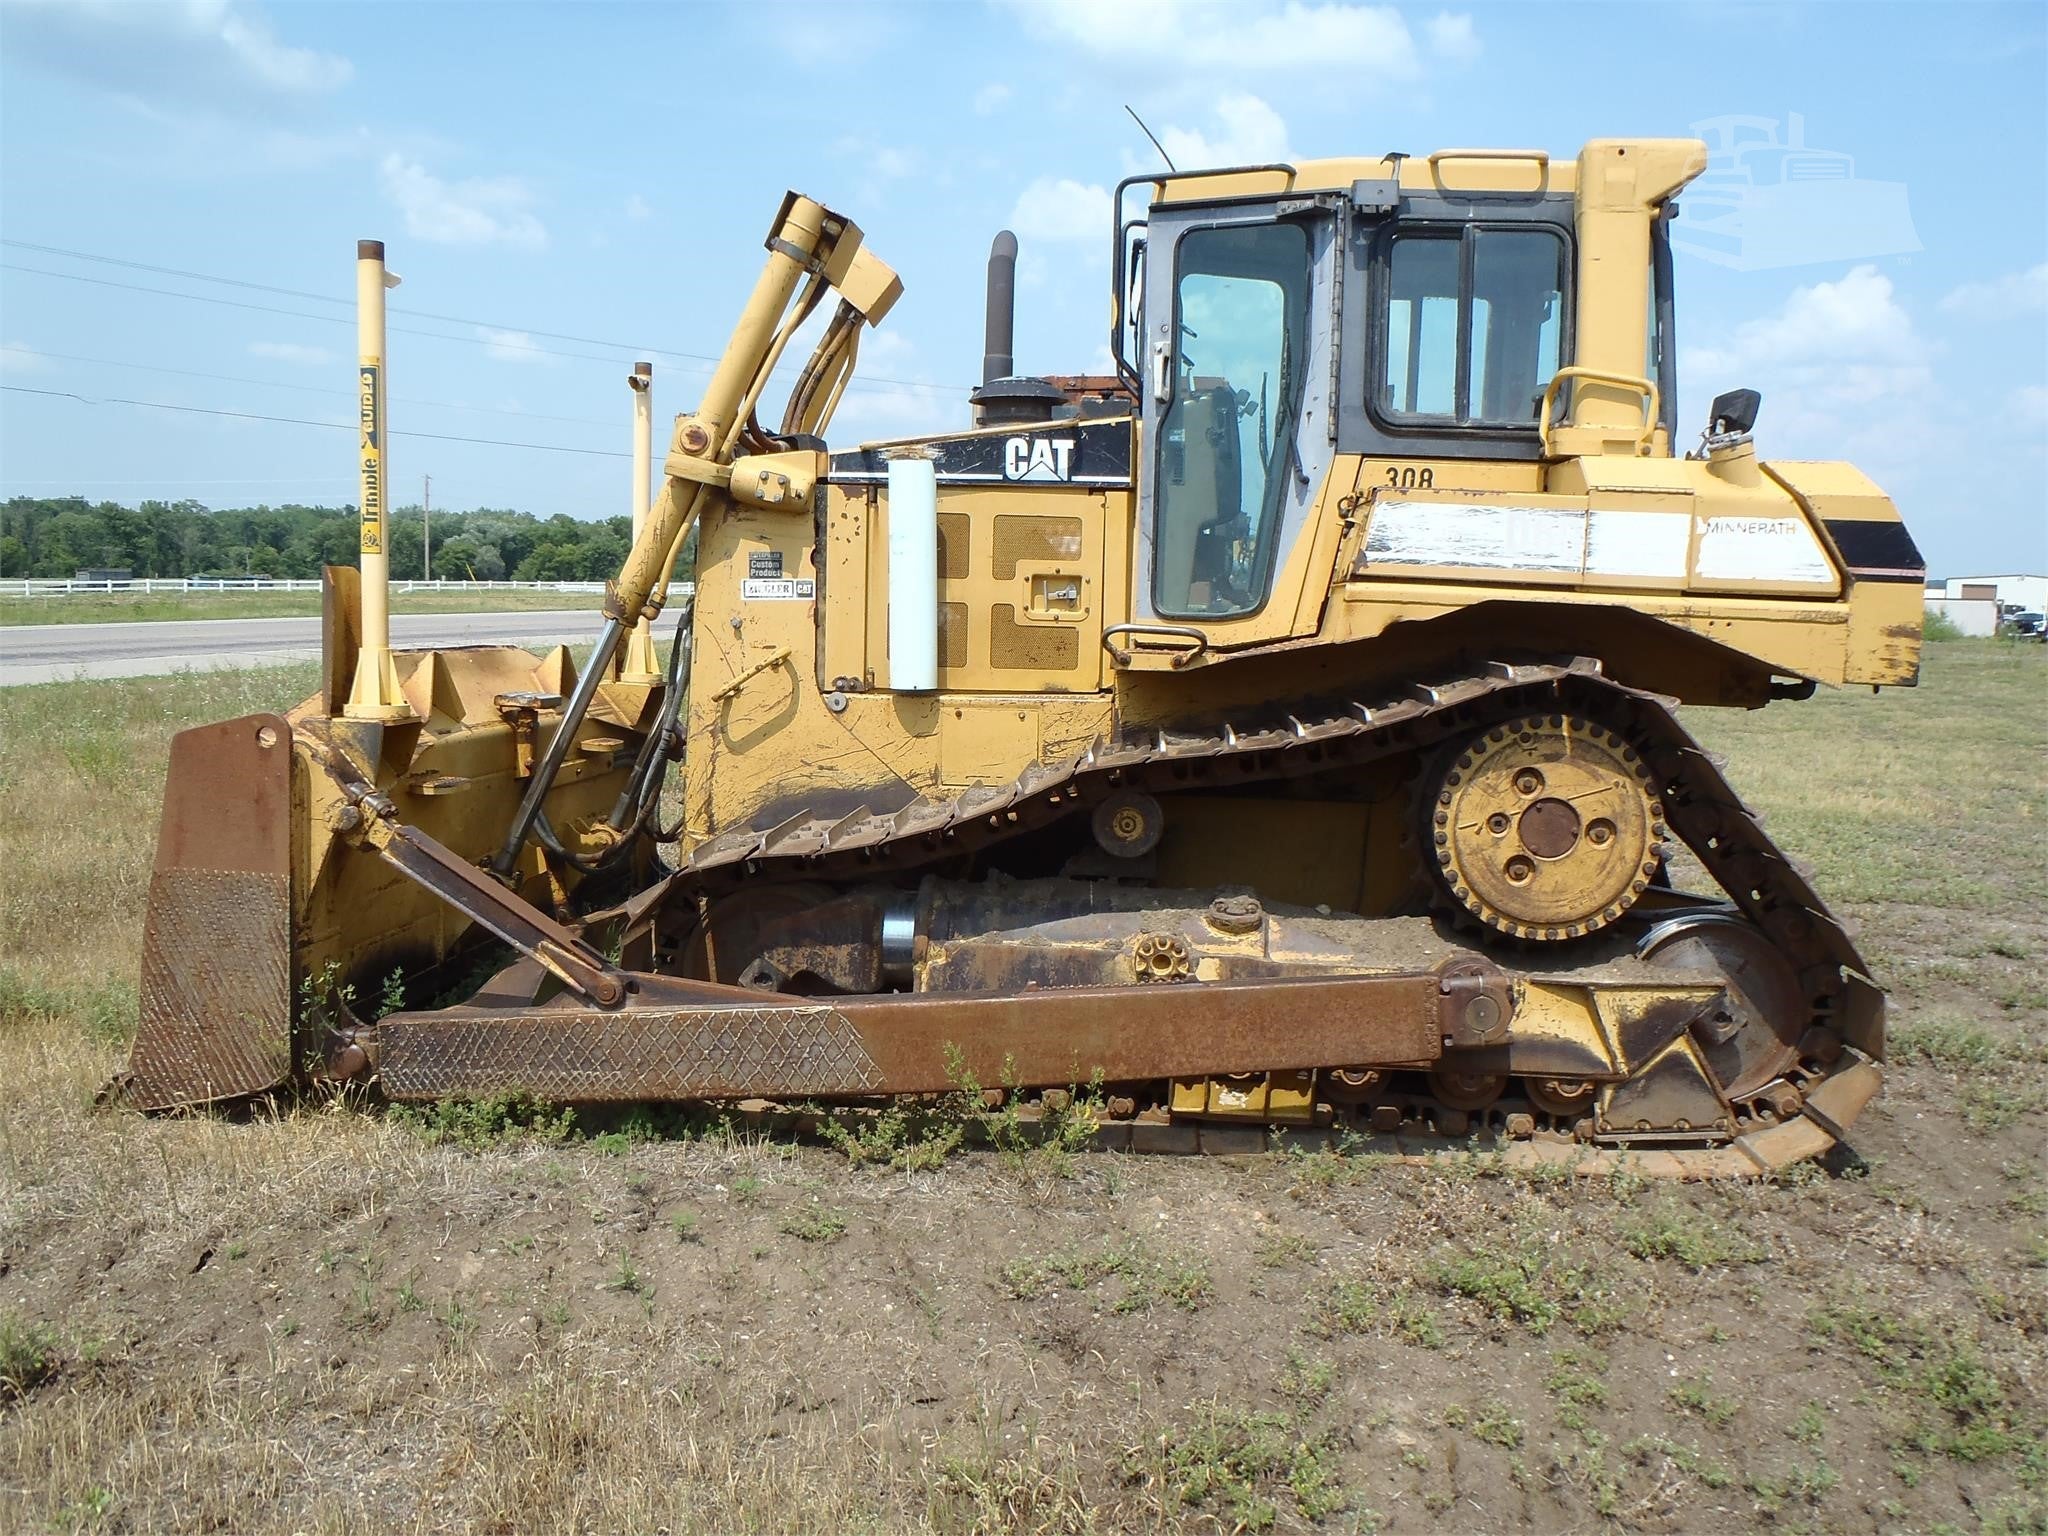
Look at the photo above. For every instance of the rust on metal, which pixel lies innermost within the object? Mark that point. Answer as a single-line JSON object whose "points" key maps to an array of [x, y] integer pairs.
{"points": [[216, 995], [669, 1043]]}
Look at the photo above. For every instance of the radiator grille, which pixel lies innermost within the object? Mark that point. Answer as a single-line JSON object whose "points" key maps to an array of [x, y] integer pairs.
{"points": [[1030, 647], [1034, 538]]}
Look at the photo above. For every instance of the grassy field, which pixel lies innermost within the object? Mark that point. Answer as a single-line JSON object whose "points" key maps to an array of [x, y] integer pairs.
{"points": [[330, 1320], [137, 607]]}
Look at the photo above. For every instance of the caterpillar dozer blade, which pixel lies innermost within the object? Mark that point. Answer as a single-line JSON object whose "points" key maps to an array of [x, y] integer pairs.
{"points": [[1280, 733]]}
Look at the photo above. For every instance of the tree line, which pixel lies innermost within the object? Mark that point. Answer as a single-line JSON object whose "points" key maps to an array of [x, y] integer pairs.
{"points": [[60, 536]]}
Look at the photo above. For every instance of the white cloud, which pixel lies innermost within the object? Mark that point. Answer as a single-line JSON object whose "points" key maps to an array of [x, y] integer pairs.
{"points": [[1453, 37], [1835, 344], [19, 359], [291, 352], [216, 54], [1247, 132], [510, 346], [2029, 406], [882, 162], [1185, 35], [877, 413], [991, 98], [277, 65], [480, 211], [1061, 209], [2016, 293], [638, 208]]}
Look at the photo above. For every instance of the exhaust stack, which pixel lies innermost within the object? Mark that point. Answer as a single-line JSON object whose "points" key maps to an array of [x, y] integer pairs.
{"points": [[1002, 399], [998, 348]]}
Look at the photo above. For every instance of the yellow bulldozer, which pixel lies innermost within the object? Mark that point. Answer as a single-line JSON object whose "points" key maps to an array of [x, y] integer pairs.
{"points": [[1278, 733]]}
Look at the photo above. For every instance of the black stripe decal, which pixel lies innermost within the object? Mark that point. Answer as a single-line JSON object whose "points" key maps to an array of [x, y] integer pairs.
{"points": [[1877, 551]]}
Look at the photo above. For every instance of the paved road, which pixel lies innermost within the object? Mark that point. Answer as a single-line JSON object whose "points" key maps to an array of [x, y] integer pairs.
{"points": [[48, 653]]}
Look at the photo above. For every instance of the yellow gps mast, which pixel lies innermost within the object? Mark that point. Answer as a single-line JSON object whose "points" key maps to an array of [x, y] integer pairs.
{"points": [[375, 695]]}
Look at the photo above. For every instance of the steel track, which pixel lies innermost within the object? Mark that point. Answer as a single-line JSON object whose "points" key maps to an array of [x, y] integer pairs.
{"points": [[1836, 1074]]}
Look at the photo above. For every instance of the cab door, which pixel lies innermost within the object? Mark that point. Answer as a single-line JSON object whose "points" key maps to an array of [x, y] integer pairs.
{"points": [[1238, 419]]}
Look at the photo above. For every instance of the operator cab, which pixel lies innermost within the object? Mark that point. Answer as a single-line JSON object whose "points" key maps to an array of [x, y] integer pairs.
{"points": [[1265, 332]]}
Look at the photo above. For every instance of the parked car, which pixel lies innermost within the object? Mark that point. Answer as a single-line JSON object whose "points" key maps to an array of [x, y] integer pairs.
{"points": [[2026, 626]]}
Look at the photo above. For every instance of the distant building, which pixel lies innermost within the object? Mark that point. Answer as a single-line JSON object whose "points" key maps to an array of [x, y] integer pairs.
{"points": [[2028, 594]]}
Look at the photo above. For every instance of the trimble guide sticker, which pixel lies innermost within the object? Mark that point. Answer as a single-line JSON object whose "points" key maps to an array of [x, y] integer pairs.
{"points": [[369, 376]]}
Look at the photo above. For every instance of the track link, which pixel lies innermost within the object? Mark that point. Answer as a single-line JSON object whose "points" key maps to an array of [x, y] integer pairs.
{"points": [[1836, 1074]]}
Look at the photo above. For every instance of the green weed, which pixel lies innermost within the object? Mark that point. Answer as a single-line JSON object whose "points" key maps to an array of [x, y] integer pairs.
{"points": [[1963, 1408], [1577, 1381], [1351, 1306], [1146, 1277], [1531, 1283], [28, 1355], [1687, 1459], [1694, 1237], [477, 1125], [1245, 1463], [1695, 1395], [814, 1222]]}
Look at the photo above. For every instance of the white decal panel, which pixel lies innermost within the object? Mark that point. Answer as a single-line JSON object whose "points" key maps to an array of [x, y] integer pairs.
{"points": [[1484, 537], [1565, 541], [754, 589], [1649, 544], [1773, 549]]}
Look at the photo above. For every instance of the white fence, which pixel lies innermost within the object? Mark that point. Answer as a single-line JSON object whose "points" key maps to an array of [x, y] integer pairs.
{"points": [[16, 586]]}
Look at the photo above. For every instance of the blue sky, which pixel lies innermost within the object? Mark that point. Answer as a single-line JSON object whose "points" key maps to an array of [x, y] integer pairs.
{"points": [[605, 173]]}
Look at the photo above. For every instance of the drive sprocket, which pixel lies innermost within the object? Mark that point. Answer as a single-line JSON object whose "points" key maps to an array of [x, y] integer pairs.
{"points": [[1544, 826]]}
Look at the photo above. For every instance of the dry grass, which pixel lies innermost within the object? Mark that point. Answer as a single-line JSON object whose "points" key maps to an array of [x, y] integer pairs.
{"points": [[139, 607], [318, 1321]]}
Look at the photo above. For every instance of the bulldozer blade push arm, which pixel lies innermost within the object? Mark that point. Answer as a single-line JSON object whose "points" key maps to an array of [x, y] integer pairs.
{"points": [[673, 1042], [481, 899], [807, 239]]}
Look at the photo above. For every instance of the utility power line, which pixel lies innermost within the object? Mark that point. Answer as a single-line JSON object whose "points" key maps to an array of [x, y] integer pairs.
{"points": [[296, 314], [638, 349], [307, 389], [301, 421]]}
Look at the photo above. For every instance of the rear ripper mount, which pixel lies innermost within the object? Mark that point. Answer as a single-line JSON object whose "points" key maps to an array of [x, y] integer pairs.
{"points": [[1696, 1038]]}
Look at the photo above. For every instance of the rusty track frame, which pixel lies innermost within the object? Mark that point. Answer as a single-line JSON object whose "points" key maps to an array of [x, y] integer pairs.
{"points": [[703, 1041]]}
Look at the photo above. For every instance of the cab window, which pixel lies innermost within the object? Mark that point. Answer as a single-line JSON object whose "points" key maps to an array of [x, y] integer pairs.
{"points": [[1239, 360], [1473, 325]]}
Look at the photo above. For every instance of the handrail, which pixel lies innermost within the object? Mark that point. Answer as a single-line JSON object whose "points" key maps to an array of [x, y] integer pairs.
{"points": [[1124, 368], [1540, 156], [1645, 387], [1181, 658]]}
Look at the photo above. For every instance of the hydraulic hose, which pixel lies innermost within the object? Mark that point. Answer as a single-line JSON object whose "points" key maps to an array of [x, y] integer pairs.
{"points": [[558, 747], [642, 792]]}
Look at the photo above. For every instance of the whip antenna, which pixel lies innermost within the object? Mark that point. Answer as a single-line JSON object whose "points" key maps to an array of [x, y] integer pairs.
{"points": [[1153, 137]]}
